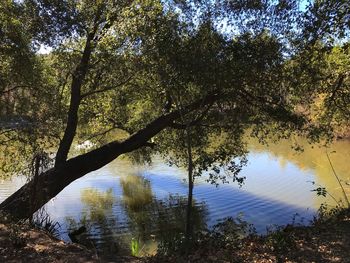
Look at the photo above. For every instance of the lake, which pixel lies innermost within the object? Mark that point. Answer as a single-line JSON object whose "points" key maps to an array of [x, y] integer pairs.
{"points": [[123, 204]]}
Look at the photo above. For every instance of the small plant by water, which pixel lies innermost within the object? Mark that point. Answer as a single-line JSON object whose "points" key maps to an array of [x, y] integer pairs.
{"points": [[42, 220], [279, 238], [339, 181], [322, 191], [229, 232]]}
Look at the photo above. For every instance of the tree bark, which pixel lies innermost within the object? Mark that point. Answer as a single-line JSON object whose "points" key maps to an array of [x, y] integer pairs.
{"points": [[189, 223], [75, 98], [48, 184]]}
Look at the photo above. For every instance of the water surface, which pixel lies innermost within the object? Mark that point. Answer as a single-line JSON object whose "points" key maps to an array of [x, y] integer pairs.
{"points": [[128, 207]]}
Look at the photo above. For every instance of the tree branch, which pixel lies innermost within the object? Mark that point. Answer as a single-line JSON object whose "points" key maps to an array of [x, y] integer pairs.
{"points": [[57, 178], [106, 89], [336, 88], [195, 122], [13, 88], [107, 153], [101, 133]]}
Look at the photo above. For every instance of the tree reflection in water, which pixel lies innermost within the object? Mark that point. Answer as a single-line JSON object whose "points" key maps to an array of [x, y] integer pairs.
{"points": [[98, 219], [313, 157], [150, 221], [153, 219]]}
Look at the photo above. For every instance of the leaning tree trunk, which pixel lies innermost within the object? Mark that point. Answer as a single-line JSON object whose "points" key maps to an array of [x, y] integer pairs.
{"points": [[33, 195], [21, 205], [48, 184], [28, 199]]}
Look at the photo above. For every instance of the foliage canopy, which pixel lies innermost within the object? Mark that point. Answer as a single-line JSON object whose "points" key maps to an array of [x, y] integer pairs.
{"points": [[222, 67]]}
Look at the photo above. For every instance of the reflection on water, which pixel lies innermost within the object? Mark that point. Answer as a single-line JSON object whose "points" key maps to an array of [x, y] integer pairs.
{"points": [[98, 219], [149, 220], [313, 159], [160, 219], [97, 204], [128, 209]]}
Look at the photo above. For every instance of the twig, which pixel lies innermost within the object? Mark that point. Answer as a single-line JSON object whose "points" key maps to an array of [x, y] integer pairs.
{"points": [[336, 176], [107, 88], [13, 88]]}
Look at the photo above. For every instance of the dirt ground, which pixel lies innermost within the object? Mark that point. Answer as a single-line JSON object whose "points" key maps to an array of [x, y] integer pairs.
{"points": [[325, 241], [20, 243]]}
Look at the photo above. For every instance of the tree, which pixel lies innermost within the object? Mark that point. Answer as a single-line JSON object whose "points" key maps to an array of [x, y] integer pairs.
{"points": [[152, 70]]}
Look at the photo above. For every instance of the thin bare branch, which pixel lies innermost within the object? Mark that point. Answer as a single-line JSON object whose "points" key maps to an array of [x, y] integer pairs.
{"points": [[101, 133], [106, 88], [194, 122]]}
